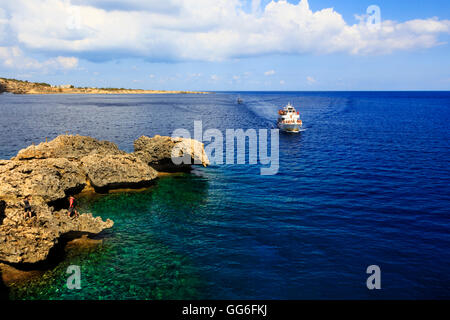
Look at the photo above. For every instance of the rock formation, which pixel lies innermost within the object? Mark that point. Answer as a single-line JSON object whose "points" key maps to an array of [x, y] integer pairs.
{"points": [[70, 147], [30, 241], [47, 179], [117, 171], [25, 87], [52, 171], [170, 154]]}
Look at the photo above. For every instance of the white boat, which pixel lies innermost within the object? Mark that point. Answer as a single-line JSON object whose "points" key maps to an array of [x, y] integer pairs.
{"points": [[289, 119]]}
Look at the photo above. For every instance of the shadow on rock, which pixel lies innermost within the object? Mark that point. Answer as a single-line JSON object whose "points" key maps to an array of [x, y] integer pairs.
{"points": [[4, 290], [2, 211]]}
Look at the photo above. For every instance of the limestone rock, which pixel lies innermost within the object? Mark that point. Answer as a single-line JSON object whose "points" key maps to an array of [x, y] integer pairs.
{"points": [[170, 154], [68, 146], [30, 241], [52, 171], [116, 171], [47, 179], [25, 87]]}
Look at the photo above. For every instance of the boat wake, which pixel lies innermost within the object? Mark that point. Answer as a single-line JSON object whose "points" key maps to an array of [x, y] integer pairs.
{"points": [[265, 111]]}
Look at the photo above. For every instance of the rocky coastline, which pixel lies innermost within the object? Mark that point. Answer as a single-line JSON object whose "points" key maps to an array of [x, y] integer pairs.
{"points": [[52, 171], [26, 87]]}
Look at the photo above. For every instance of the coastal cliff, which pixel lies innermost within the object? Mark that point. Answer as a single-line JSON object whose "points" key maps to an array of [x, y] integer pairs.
{"points": [[52, 171], [25, 87]]}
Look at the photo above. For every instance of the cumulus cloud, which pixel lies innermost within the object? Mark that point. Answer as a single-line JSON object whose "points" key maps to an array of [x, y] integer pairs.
{"points": [[206, 30], [13, 57], [269, 73], [66, 62]]}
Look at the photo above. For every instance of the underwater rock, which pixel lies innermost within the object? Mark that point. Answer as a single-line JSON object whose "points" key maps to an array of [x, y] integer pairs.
{"points": [[11, 275], [159, 153]]}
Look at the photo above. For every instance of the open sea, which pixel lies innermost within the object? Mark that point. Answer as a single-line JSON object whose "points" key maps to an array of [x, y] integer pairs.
{"points": [[367, 183]]}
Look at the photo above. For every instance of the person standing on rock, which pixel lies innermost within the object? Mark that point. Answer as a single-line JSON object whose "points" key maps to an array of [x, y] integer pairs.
{"points": [[27, 207], [72, 210]]}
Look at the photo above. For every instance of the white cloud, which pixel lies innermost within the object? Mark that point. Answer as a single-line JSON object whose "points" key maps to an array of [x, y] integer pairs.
{"points": [[214, 77], [282, 82], [269, 73], [179, 30], [311, 80], [66, 62], [13, 57]]}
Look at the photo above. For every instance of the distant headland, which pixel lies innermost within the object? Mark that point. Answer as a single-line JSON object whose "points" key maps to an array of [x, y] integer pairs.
{"points": [[25, 87]]}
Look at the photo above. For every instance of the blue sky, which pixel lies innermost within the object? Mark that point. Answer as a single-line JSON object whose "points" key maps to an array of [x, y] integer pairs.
{"points": [[227, 44]]}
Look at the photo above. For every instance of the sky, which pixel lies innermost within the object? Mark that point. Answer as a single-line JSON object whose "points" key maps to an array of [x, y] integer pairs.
{"points": [[228, 45]]}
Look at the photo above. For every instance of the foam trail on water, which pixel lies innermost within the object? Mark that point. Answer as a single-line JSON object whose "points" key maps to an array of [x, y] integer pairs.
{"points": [[265, 110]]}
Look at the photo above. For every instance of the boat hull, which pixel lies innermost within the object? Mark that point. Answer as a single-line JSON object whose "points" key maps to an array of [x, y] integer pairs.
{"points": [[289, 127]]}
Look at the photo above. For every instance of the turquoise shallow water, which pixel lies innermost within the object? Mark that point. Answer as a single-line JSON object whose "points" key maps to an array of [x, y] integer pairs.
{"points": [[133, 262], [366, 183]]}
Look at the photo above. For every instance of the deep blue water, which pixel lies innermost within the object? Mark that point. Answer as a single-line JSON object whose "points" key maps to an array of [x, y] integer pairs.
{"points": [[367, 183]]}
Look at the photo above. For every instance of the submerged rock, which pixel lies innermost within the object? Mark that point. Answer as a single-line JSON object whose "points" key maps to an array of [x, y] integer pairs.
{"points": [[170, 154]]}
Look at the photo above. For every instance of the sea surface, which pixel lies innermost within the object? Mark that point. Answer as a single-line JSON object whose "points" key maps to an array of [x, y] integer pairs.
{"points": [[367, 183]]}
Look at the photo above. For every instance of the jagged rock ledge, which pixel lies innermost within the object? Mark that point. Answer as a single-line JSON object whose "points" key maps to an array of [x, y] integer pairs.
{"points": [[52, 171]]}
